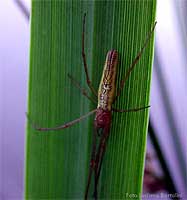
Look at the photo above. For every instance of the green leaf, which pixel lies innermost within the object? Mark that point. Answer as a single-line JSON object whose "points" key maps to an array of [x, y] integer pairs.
{"points": [[57, 162]]}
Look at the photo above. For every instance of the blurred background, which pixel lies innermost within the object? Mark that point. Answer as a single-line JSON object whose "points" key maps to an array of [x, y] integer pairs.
{"points": [[166, 159]]}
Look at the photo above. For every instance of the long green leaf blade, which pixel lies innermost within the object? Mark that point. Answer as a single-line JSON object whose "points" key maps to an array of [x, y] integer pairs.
{"points": [[57, 162]]}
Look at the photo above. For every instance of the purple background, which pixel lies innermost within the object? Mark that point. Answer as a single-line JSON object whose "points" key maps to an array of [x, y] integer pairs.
{"points": [[168, 92], [14, 51]]}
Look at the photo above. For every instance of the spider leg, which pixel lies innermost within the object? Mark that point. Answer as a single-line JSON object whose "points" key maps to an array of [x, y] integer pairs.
{"points": [[83, 91], [66, 125], [130, 110], [84, 60], [135, 61], [92, 162], [99, 157]]}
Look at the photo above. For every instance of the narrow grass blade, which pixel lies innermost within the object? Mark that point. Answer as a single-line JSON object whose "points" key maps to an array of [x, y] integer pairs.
{"points": [[57, 162]]}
